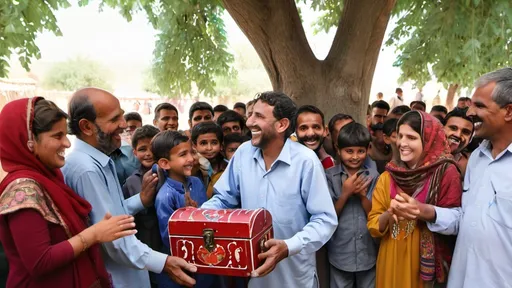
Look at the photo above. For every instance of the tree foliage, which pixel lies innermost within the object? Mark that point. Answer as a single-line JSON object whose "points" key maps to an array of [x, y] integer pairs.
{"points": [[20, 21], [77, 73], [453, 41]]}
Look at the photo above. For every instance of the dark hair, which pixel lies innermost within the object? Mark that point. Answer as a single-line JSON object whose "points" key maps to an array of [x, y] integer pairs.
{"points": [[205, 128], [164, 106], [336, 118], [164, 141], [413, 119], [457, 112], [420, 103], [46, 114], [381, 104], [250, 103], [463, 99], [239, 105], [398, 90], [132, 116], [220, 108], [231, 116], [439, 108], [284, 107], [440, 118], [144, 132], [234, 138], [400, 110], [80, 108], [309, 109], [199, 106], [389, 126], [354, 134]]}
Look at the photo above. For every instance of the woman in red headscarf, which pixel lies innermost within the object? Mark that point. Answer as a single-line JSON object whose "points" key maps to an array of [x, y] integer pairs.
{"points": [[43, 223], [410, 255]]}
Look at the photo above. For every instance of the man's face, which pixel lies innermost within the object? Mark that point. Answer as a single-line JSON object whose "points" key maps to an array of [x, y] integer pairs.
{"points": [[231, 127], [200, 116], [240, 111], [132, 125], [310, 130], [167, 120], [337, 127], [262, 125], [378, 115], [438, 113], [487, 116], [109, 124], [458, 132], [461, 104]]}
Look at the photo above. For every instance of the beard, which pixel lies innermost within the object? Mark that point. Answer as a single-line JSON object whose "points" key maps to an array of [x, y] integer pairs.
{"points": [[265, 138], [105, 140], [318, 138]]}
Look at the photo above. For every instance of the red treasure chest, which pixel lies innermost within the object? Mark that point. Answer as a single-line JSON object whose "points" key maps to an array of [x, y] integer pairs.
{"points": [[222, 242]]}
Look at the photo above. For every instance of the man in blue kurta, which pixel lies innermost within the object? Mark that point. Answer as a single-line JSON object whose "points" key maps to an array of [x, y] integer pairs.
{"points": [[286, 178], [96, 118]]}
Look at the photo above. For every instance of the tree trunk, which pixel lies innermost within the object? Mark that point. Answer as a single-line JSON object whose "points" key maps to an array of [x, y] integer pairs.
{"points": [[452, 89], [339, 84]]}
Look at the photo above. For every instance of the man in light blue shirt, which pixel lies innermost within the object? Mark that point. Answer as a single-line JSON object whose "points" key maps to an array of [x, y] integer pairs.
{"points": [[96, 118], [483, 252], [286, 178]]}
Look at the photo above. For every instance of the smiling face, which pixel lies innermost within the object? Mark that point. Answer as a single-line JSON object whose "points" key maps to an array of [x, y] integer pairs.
{"points": [[143, 153], [310, 130], [110, 124], [167, 120], [262, 125], [409, 145], [458, 132], [486, 114], [353, 157], [180, 162], [208, 145], [50, 146]]}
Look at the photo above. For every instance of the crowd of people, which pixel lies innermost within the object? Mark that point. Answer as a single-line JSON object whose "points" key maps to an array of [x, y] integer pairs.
{"points": [[407, 199]]}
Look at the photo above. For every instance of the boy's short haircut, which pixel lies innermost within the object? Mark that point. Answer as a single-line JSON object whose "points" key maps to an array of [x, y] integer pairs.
{"points": [[336, 118], [439, 108], [389, 126], [199, 106], [234, 138], [205, 128], [239, 105], [231, 116], [164, 141], [400, 110], [354, 135], [220, 108], [165, 106], [309, 109], [132, 116], [144, 132]]}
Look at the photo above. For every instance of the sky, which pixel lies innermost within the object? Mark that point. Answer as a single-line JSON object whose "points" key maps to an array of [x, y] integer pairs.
{"points": [[107, 37]]}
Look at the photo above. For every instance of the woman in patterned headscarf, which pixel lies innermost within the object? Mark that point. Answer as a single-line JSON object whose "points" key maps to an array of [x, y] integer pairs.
{"points": [[410, 255]]}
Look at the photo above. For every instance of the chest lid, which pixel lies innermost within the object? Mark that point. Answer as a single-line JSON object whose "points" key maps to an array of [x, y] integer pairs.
{"points": [[227, 223]]}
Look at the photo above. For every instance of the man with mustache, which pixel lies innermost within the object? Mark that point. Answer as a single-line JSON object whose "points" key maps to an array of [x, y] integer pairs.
{"points": [[96, 119], [482, 224], [459, 130], [378, 151], [278, 174], [311, 132], [166, 117]]}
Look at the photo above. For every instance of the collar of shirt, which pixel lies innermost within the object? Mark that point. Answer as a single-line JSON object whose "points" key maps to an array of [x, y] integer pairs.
{"points": [[284, 155], [96, 154], [176, 185], [485, 148]]}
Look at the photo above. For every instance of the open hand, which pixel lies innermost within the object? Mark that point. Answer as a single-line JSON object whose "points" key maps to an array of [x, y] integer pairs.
{"points": [[147, 195], [175, 266], [277, 251], [111, 228]]}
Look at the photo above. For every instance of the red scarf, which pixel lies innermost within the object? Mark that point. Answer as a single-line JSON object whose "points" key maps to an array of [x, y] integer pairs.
{"points": [[19, 162]]}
